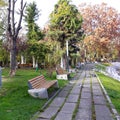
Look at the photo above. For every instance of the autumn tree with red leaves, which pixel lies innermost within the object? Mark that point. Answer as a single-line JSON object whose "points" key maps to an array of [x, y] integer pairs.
{"points": [[102, 27]]}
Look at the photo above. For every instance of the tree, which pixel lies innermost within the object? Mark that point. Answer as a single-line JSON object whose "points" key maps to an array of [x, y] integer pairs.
{"points": [[65, 25], [2, 3], [13, 31], [3, 54], [32, 15], [33, 33], [101, 25], [3, 15]]}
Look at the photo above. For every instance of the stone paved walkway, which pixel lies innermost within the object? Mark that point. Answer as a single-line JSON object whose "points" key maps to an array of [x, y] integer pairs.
{"points": [[82, 99]]}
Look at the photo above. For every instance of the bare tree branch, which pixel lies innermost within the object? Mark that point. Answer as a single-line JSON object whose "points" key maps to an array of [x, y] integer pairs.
{"points": [[9, 24], [12, 33], [13, 18], [20, 19]]}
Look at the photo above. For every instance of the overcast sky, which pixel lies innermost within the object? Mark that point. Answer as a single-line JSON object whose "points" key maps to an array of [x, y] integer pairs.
{"points": [[47, 6]]}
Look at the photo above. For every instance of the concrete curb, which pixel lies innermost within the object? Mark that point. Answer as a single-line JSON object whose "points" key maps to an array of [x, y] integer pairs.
{"points": [[46, 104], [117, 116]]}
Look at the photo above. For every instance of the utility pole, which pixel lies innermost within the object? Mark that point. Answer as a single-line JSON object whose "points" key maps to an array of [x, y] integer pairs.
{"points": [[67, 53]]}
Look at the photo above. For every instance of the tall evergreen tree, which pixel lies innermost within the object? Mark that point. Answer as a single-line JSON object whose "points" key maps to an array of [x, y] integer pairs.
{"points": [[32, 15], [2, 3], [65, 23], [65, 26], [33, 33]]}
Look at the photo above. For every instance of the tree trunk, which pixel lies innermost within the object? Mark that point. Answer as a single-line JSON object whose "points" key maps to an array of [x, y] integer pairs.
{"points": [[22, 59], [33, 58], [13, 31], [61, 64], [13, 58]]}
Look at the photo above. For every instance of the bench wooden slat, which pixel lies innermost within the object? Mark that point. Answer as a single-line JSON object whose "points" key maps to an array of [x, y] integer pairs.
{"points": [[61, 71], [40, 82]]}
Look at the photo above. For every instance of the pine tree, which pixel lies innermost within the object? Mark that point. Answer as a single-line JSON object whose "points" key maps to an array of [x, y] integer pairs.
{"points": [[65, 23], [32, 15], [65, 26]]}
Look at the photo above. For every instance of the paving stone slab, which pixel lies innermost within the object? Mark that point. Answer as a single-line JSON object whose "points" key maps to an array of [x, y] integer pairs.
{"points": [[63, 93], [94, 78], [87, 76], [82, 75], [95, 82], [63, 116], [97, 92], [72, 98], [77, 87], [81, 78], [85, 118], [85, 103], [84, 114], [58, 101], [87, 79], [87, 82], [78, 84], [96, 87], [49, 113], [42, 119], [86, 95], [79, 81], [68, 108], [118, 117], [76, 90], [86, 90], [99, 100], [86, 86], [67, 88], [102, 112]]}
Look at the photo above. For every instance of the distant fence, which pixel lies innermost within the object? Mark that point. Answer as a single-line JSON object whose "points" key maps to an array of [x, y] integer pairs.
{"points": [[0, 76]]}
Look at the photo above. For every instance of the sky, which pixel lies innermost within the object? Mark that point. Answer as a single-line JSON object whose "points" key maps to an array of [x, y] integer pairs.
{"points": [[47, 6]]}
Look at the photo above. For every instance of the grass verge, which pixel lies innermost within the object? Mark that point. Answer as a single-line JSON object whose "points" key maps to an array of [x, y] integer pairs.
{"points": [[15, 102], [112, 87]]}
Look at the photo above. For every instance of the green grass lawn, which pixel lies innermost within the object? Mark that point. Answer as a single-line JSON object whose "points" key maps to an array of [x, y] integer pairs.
{"points": [[15, 102], [100, 67], [113, 89]]}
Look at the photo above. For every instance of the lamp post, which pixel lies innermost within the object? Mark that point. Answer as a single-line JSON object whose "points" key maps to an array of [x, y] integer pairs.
{"points": [[67, 54]]}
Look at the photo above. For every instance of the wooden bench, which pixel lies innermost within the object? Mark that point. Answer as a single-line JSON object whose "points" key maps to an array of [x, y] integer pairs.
{"points": [[29, 65], [39, 83], [62, 74]]}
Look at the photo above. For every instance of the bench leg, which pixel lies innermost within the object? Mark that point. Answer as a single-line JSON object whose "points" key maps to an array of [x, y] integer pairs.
{"points": [[56, 85], [63, 76], [43, 93]]}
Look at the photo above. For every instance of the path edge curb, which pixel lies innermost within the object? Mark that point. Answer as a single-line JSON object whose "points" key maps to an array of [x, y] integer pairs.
{"points": [[117, 116]]}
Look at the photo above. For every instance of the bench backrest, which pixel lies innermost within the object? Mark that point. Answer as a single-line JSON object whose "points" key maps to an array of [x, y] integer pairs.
{"points": [[60, 71], [36, 82]]}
